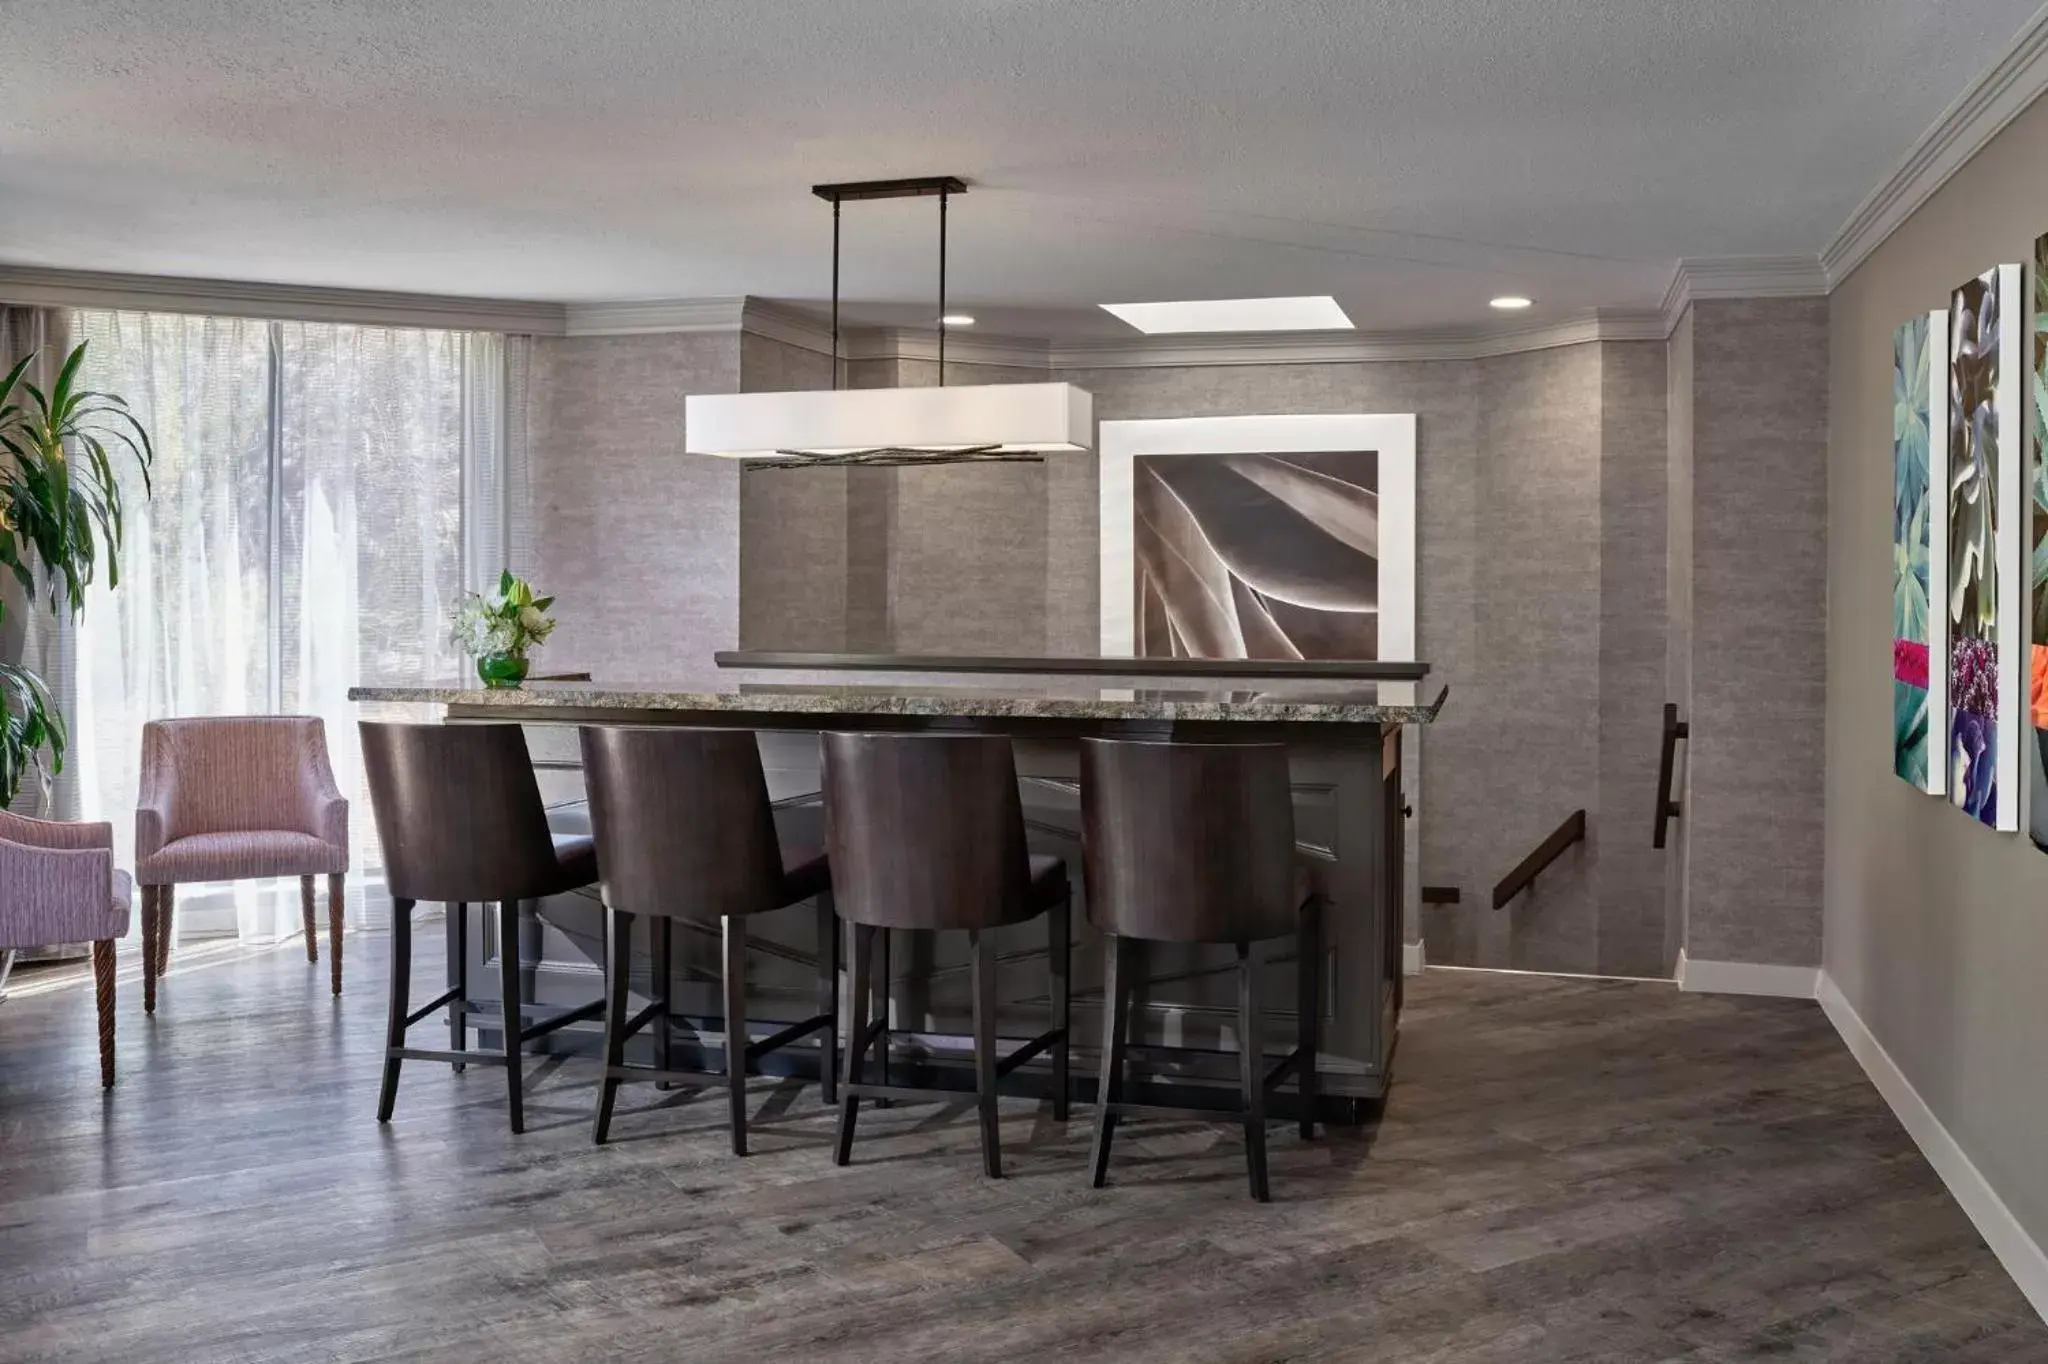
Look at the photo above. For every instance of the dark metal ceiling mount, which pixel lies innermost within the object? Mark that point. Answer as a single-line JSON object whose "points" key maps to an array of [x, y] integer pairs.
{"points": [[915, 187]]}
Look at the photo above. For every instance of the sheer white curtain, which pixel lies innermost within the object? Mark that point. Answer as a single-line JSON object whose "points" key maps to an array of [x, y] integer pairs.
{"points": [[313, 498]]}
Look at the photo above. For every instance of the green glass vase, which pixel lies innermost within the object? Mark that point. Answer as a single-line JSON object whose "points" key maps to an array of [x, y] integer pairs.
{"points": [[502, 670]]}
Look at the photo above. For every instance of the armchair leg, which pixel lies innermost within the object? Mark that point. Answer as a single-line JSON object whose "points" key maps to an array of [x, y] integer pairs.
{"points": [[165, 897], [306, 913], [103, 987], [335, 903], [149, 953]]}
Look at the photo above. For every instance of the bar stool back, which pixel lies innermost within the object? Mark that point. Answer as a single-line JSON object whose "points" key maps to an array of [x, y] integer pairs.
{"points": [[460, 818], [926, 833], [685, 830], [1194, 843]]}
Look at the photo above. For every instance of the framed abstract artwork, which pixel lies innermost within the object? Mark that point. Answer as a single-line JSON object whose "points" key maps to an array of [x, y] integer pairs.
{"points": [[1259, 537], [1919, 549], [1987, 570]]}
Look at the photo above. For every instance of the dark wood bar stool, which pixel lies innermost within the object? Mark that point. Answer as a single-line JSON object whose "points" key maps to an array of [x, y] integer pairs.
{"points": [[1194, 843], [926, 833], [460, 816], [685, 831]]}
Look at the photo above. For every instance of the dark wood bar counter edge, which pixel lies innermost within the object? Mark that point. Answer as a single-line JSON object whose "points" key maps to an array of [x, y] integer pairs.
{"points": [[1344, 735]]}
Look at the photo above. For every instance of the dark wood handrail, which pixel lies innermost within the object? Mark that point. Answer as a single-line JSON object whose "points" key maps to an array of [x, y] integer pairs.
{"points": [[1517, 881], [1667, 761]]}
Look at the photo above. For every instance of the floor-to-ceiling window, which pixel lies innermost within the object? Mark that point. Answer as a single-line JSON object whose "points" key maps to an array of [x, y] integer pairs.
{"points": [[322, 494]]}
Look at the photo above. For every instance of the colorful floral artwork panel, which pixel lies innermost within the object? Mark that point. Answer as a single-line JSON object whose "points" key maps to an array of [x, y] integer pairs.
{"points": [[1913, 581], [1987, 658], [2036, 746]]}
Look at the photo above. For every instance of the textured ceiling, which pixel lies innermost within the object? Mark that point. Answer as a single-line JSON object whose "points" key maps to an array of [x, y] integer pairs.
{"points": [[1412, 157]]}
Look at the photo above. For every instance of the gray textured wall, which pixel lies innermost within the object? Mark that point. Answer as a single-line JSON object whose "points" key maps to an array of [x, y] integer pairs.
{"points": [[1541, 501], [1936, 927], [638, 542], [1634, 534], [793, 525], [1759, 616], [1678, 612]]}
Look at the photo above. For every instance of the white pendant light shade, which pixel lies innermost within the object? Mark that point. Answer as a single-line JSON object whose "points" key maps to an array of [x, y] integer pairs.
{"points": [[993, 418]]}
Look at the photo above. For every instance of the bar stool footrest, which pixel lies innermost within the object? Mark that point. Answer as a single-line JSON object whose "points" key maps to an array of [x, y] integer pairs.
{"points": [[459, 1058], [440, 1001], [561, 1020], [1043, 1042], [794, 1032]]}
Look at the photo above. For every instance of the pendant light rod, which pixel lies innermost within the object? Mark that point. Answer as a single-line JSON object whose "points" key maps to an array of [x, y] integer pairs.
{"points": [[835, 293], [916, 187], [942, 288]]}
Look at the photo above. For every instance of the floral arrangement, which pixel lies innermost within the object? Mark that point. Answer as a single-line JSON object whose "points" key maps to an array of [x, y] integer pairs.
{"points": [[498, 630]]}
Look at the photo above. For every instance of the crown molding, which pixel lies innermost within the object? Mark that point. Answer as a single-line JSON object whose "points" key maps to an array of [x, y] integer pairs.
{"points": [[649, 316], [961, 348], [290, 302], [1980, 113], [1726, 277], [1338, 348]]}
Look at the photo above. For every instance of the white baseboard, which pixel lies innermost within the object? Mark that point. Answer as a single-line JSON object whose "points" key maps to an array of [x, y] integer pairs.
{"points": [[1412, 958], [1746, 978], [2021, 1255]]}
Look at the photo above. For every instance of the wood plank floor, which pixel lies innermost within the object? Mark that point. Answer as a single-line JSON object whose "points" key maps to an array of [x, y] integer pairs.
{"points": [[1569, 1170]]}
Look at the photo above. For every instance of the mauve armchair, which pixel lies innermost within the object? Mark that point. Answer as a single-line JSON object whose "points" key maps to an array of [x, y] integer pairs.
{"points": [[237, 798], [58, 885]]}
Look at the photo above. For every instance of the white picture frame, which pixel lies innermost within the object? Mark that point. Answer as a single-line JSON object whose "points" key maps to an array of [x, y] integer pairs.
{"points": [[1389, 435]]}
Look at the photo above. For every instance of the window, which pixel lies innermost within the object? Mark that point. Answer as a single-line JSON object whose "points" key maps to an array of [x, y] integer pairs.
{"points": [[322, 495]]}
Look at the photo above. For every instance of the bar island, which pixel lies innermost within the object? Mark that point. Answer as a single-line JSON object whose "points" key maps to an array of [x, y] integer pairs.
{"points": [[1344, 737]]}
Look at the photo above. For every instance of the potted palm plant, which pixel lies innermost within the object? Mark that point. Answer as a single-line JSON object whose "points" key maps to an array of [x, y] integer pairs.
{"points": [[60, 516]]}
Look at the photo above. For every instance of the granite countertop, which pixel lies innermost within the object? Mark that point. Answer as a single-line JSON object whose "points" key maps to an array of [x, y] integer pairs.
{"points": [[1057, 698]]}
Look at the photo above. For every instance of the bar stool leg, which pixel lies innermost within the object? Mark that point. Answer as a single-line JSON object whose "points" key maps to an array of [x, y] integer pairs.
{"points": [[1059, 964], [508, 985], [1118, 957], [856, 1033], [401, 986], [458, 976], [828, 998], [660, 974], [618, 965], [982, 945], [1308, 1024], [733, 931], [1251, 1068], [882, 988]]}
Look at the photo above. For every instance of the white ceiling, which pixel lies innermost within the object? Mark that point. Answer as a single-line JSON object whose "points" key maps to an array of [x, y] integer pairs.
{"points": [[1411, 157]]}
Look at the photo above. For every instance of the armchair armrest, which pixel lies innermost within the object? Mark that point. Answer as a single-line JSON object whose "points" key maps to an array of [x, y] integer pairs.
{"points": [[54, 833], [57, 895], [325, 809]]}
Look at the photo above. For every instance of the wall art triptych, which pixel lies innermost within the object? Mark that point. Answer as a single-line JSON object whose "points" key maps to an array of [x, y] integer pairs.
{"points": [[1970, 549]]}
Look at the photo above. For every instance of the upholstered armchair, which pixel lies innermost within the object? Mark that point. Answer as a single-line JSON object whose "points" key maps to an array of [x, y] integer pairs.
{"points": [[237, 798], [58, 885]]}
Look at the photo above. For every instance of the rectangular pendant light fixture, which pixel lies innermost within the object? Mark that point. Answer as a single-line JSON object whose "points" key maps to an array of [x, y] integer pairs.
{"points": [[890, 425]]}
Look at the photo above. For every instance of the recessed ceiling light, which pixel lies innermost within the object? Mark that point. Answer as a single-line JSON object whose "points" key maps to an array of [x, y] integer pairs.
{"points": [[1235, 315], [1510, 303], [957, 320]]}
